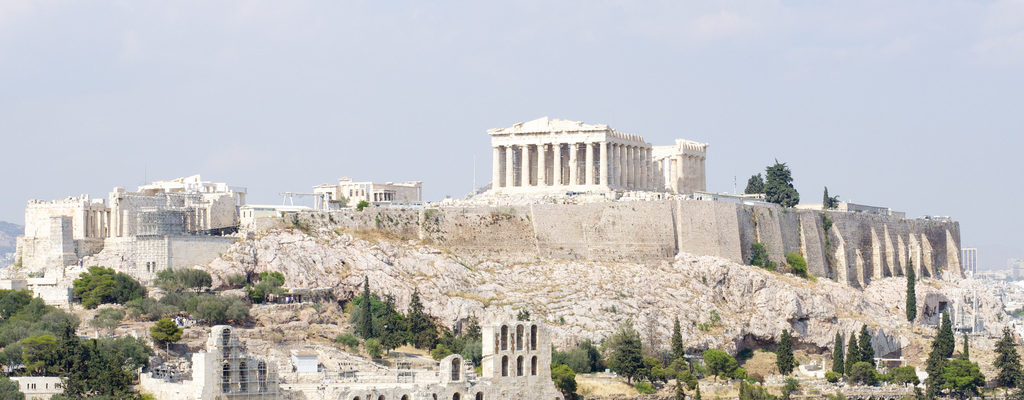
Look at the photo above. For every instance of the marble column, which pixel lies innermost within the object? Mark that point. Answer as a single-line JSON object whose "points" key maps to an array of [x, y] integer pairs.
{"points": [[496, 168], [542, 167], [574, 167], [603, 164], [556, 150], [589, 164], [510, 173], [524, 167], [643, 168]]}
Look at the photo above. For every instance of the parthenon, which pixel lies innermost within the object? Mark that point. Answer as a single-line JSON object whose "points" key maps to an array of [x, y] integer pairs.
{"points": [[554, 155]]}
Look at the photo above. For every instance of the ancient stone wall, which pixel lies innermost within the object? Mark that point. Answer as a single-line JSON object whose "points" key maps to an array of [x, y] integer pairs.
{"points": [[855, 248]]}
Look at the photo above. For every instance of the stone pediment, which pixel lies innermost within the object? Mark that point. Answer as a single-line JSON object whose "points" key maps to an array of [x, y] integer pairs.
{"points": [[545, 124]]}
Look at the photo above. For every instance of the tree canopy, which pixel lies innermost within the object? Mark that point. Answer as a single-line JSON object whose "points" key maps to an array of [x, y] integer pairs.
{"points": [[626, 353], [755, 185], [911, 293], [778, 187], [1007, 362], [784, 354], [838, 363], [100, 285], [165, 331]]}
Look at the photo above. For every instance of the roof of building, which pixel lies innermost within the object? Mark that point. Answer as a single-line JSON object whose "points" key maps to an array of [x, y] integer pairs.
{"points": [[545, 124]]}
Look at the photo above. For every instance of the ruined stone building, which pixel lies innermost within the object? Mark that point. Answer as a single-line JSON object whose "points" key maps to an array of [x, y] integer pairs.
{"points": [[164, 224], [348, 193], [225, 371], [553, 155]]}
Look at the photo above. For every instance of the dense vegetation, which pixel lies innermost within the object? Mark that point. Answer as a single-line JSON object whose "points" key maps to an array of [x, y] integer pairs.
{"points": [[183, 296], [100, 285]]}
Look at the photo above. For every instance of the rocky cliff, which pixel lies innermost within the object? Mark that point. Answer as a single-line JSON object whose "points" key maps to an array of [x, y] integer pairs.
{"points": [[590, 299]]}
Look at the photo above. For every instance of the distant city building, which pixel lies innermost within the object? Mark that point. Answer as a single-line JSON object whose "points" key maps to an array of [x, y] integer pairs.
{"points": [[730, 197], [846, 206], [969, 260], [1016, 267], [348, 193], [39, 387]]}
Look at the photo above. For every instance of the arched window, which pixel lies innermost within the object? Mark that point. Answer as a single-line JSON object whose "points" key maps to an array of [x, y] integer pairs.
{"points": [[225, 341], [456, 364], [243, 378], [405, 397], [225, 378], [504, 337], [381, 397], [261, 376], [519, 337], [356, 398], [504, 365], [533, 366], [456, 396], [533, 337], [479, 395], [519, 366]]}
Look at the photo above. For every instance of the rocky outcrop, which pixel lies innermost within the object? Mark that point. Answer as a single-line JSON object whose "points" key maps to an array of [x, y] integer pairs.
{"points": [[590, 299]]}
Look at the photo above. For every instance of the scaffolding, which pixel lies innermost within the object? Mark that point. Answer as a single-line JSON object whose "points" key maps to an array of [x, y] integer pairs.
{"points": [[241, 376]]}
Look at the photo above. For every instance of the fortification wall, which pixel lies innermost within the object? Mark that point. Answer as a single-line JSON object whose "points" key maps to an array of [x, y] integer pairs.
{"points": [[855, 248]]}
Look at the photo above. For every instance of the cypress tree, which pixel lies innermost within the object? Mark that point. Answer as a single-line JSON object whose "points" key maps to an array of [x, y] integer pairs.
{"points": [[677, 341], [852, 353], [696, 395], [838, 365], [366, 309], [784, 353], [680, 394], [911, 293], [945, 339], [966, 355], [942, 350], [1007, 362], [422, 331], [867, 353]]}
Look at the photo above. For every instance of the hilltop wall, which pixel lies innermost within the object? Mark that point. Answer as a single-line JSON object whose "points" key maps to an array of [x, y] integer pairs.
{"points": [[855, 249]]}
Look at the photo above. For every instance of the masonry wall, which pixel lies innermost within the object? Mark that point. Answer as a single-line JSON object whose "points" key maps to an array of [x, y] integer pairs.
{"points": [[855, 249]]}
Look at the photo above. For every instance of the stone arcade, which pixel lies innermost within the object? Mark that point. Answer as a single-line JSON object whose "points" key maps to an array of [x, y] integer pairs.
{"points": [[546, 156]]}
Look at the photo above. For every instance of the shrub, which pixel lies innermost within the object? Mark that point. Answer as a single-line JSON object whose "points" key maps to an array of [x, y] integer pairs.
{"points": [[863, 373], [719, 363], [216, 310], [269, 283], [348, 340], [439, 352], [644, 388], [107, 319], [797, 263], [176, 280], [832, 377], [361, 205], [150, 309], [759, 256], [904, 375], [236, 280], [372, 347], [565, 380]]}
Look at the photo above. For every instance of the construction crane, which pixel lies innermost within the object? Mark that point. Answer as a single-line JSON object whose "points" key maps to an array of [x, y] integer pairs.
{"points": [[288, 198]]}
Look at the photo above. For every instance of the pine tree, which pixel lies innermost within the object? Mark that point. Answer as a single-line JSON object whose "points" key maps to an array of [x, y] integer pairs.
{"points": [[696, 395], [852, 353], [677, 340], [942, 350], [784, 353], [755, 185], [911, 293], [366, 316], [1007, 362], [867, 353], [422, 331], [778, 187], [838, 365], [680, 393], [966, 355]]}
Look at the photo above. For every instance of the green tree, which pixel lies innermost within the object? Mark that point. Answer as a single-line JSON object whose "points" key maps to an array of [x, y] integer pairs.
{"points": [[719, 363], [755, 185], [696, 394], [362, 204], [792, 385], [364, 327], [269, 283], [1007, 361], [905, 375], [829, 202], [101, 285], [677, 340], [107, 319], [778, 187], [852, 353], [422, 331], [40, 354], [524, 315], [165, 331], [838, 365], [9, 390], [626, 353], [863, 373], [393, 332], [565, 380], [966, 355], [13, 300], [372, 347], [680, 394], [214, 309], [348, 340], [759, 256], [962, 378], [797, 264], [911, 293], [942, 350], [784, 354], [945, 340], [867, 353], [176, 280]]}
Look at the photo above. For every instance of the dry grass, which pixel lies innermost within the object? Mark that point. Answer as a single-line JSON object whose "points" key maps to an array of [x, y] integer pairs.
{"points": [[762, 363], [602, 385]]}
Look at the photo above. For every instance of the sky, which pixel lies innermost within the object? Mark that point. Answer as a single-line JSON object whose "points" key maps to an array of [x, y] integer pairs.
{"points": [[913, 105]]}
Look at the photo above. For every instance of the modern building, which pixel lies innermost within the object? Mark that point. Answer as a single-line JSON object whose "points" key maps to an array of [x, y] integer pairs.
{"points": [[39, 387], [304, 362], [547, 156], [969, 260], [845, 206]]}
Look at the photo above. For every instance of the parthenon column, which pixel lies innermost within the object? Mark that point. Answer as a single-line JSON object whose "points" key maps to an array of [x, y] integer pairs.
{"points": [[542, 173], [524, 167], [556, 151], [643, 167], [510, 174], [589, 164], [573, 164], [620, 166], [496, 168], [603, 164]]}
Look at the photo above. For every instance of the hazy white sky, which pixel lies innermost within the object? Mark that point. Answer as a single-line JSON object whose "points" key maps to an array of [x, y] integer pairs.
{"points": [[914, 105]]}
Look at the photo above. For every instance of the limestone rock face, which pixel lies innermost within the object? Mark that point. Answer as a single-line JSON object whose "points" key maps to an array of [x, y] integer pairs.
{"points": [[719, 303]]}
